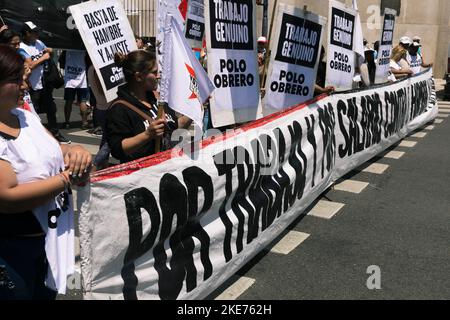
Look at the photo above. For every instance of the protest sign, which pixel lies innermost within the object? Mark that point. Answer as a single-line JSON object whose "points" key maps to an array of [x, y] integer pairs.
{"points": [[195, 23], [340, 57], [105, 30], [177, 225], [385, 50], [295, 58], [232, 64]]}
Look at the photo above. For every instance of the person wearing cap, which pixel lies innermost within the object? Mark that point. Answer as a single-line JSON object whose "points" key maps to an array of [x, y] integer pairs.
{"points": [[36, 55], [262, 43], [405, 42], [418, 40], [415, 59]]}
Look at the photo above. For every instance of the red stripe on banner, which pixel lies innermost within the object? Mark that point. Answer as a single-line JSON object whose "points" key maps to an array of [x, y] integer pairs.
{"points": [[153, 160]]}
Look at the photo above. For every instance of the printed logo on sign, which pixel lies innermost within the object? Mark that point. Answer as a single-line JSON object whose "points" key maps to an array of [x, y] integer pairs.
{"points": [[193, 86], [194, 30], [112, 76], [299, 41], [342, 29], [231, 24]]}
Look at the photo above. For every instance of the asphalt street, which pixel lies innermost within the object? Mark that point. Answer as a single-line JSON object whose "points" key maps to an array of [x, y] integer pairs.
{"points": [[398, 225]]}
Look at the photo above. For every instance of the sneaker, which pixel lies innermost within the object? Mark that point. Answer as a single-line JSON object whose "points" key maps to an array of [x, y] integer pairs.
{"points": [[61, 139], [98, 132]]}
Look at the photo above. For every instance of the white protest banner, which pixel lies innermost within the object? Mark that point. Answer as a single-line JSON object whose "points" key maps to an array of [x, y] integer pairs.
{"points": [[195, 23], [232, 63], [177, 225], [341, 57], [295, 59], [105, 30], [385, 50]]}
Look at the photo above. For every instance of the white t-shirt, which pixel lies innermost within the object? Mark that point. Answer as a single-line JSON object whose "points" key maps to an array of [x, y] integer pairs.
{"points": [[35, 155], [415, 62], [34, 52], [75, 69]]}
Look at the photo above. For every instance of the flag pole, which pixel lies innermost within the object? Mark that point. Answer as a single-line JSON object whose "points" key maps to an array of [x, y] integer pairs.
{"points": [[165, 72], [267, 58]]}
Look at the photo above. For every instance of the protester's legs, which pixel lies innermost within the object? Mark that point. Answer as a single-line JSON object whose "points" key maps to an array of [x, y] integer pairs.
{"points": [[47, 99], [83, 95], [36, 99], [26, 256], [69, 97]]}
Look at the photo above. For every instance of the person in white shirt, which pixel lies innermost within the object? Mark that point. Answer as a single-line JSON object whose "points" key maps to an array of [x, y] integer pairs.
{"points": [[415, 59], [36, 206], [36, 55], [75, 85]]}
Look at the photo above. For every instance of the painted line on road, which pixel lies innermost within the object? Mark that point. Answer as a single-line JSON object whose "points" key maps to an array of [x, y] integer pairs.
{"points": [[352, 186], [419, 135], [84, 134], [440, 115], [289, 242], [444, 110], [325, 209], [438, 120], [394, 155], [431, 127], [407, 144], [376, 168], [236, 289]]}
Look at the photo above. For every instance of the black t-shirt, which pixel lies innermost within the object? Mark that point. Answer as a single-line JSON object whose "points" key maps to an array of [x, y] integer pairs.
{"points": [[123, 123], [321, 74]]}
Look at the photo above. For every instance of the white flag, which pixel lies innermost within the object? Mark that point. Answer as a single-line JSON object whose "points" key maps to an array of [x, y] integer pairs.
{"points": [[358, 46], [185, 85]]}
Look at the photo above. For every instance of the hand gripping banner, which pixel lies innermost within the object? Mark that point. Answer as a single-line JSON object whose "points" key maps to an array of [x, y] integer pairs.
{"points": [[177, 225]]}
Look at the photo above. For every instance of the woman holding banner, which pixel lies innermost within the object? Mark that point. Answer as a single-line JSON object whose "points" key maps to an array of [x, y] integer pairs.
{"points": [[36, 214], [133, 124]]}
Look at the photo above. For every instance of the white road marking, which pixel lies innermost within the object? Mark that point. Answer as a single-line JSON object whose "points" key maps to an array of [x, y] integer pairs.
{"points": [[394, 155], [429, 127], [236, 289], [289, 242], [352, 186], [438, 120], [376, 168], [444, 110], [407, 144], [441, 115], [419, 135], [325, 209], [84, 133]]}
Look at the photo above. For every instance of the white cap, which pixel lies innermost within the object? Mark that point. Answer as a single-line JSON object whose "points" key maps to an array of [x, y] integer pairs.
{"points": [[416, 44], [417, 38], [31, 26], [405, 40], [262, 39]]}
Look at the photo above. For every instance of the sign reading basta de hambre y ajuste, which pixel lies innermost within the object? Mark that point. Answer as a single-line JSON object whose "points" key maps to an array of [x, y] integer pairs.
{"points": [[232, 63], [293, 66], [105, 30]]}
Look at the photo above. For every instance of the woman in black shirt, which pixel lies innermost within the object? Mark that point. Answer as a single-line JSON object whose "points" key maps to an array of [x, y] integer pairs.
{"points": [[131, 136]]}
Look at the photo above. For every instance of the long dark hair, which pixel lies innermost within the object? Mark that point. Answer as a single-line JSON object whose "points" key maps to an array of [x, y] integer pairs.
{"points": [[135, 61], [11, 65], [7, 35]]}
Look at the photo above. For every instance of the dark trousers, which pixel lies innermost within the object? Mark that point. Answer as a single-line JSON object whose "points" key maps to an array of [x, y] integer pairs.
{"points": [[26, 268], [44, 103]]}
